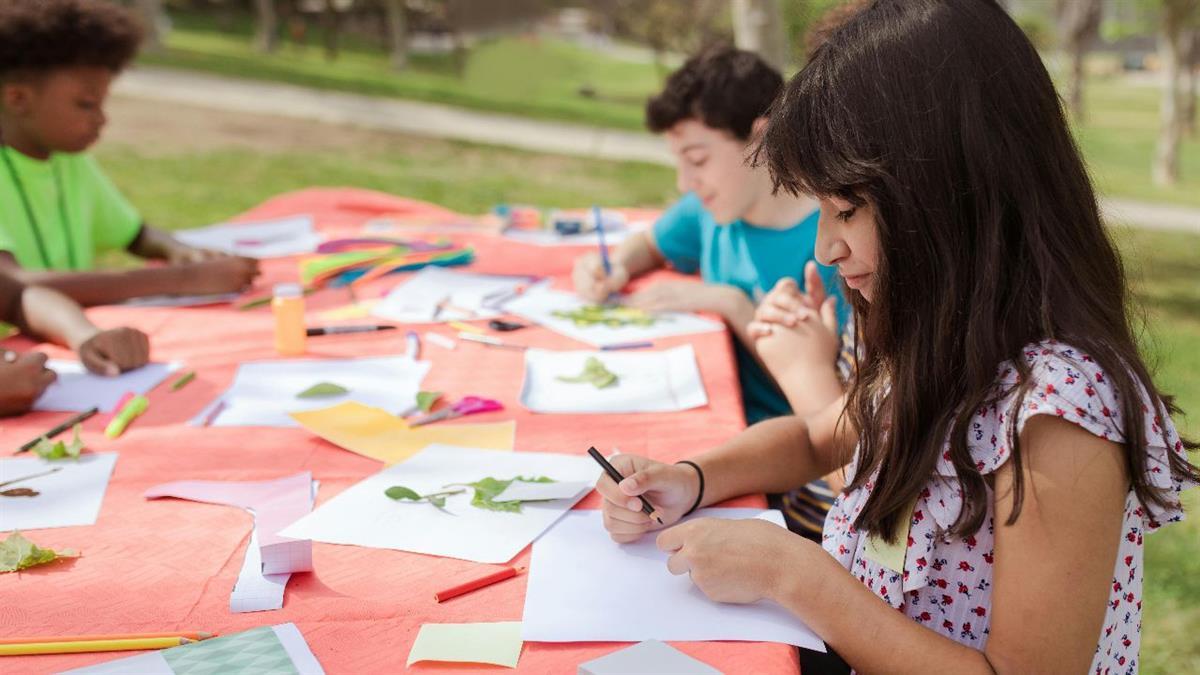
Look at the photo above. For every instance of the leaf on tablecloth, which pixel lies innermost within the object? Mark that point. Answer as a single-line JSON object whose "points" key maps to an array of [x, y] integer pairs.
{"points": [[18, 553], [57, 450]]}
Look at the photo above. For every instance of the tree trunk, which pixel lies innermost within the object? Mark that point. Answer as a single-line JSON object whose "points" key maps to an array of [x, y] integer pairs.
{"points": [[397, 33], [267, 29], [1079, 24], [332, 19], [1166, 155], [758, 27], [1191, 61], [152, 17]]}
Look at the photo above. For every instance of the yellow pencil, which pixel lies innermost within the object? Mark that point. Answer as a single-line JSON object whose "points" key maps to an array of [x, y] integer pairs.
{"points": [[466, 327], [191, 635], [75, 646]]}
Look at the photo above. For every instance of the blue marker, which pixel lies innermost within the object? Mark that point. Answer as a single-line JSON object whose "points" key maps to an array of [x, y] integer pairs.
{"points": [[603, 246]]}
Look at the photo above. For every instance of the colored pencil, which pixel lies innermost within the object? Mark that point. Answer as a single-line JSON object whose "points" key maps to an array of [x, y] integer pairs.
{"points": [[647, 507], [627, 345], [191, 635], [183, 381], [59, 428], [603, 245], [77, 646], [476, 584]]}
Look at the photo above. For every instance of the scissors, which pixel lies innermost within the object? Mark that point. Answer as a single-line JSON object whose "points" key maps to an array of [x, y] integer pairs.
{"points": [[467, 406]]}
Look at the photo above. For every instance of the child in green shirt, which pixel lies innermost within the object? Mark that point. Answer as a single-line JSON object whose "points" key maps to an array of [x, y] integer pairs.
{"points": [[57, 208]]}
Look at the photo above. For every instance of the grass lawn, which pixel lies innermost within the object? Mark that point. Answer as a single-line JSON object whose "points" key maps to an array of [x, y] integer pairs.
{"points": [[194, 187]]}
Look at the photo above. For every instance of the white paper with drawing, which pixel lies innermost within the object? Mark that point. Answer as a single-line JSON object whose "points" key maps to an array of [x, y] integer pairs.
{"points": [[438, 294], [69, 492], [264, 239], [645, 381], [363, 515], [546, 306], [264, 392], [584, 587], [76, 389]]}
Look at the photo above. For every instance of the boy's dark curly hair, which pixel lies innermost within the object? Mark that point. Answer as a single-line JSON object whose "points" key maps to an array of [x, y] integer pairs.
{"points": [[38, 36], [723, 87]]}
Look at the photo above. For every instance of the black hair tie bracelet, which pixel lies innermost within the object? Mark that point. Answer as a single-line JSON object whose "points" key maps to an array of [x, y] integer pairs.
{"points": [[700, 494]]}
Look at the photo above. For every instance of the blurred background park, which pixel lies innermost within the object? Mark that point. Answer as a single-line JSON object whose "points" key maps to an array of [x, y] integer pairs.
{"points": [[473, 103]]}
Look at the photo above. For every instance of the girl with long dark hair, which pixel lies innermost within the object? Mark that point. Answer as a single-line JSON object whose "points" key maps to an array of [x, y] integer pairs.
{"points": [[1007, 447]]}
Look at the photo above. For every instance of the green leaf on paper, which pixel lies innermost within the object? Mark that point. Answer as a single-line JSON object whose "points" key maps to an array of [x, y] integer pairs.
{"points": [[426, 399], [612, 316], [57, 450], [437, 499], [399, 492], [594, 373], [322, 390], [487, 489], [18, 553]]}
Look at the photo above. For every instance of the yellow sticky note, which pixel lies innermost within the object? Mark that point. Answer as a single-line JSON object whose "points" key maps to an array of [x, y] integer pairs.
{"points": [[891, 556], [496, 643], [358, 310], [375, 433]]}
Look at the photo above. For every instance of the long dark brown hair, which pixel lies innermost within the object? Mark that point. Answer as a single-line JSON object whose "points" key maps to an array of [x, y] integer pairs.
{"points": [[941, 115]]}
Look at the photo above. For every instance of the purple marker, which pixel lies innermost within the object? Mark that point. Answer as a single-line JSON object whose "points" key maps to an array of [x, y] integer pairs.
{"points": [[627, 345]]}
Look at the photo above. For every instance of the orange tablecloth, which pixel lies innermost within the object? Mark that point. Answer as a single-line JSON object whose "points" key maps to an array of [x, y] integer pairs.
{"points": [[170, 564]]}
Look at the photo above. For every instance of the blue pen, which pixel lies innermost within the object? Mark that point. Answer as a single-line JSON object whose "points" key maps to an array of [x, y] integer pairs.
{"points": [[603, 246], [414, 345]]}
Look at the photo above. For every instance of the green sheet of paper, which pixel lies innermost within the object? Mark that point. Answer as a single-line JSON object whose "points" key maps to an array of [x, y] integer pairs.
{"points": [[257, 651], [496, 643]]}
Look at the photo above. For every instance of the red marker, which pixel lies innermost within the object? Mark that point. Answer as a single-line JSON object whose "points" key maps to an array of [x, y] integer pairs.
{"points": [[487, 580]]}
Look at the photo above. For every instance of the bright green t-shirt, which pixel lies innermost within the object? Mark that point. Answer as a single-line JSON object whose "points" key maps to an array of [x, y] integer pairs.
{"points": [[76, 208]]}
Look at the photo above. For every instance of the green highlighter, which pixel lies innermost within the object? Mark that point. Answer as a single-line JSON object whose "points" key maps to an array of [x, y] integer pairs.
{"points": [[136, 406]]}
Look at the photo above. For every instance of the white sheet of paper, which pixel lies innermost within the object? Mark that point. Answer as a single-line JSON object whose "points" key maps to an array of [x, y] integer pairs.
{"points": [[255, 591], [363, 515], [539, 304], [264, 392], [650, 656], [416, 300], [647, 381], [153, 663], [182, 300], [279, 238], [564, 602], [76, 389], [71, 496], [521, 490]]}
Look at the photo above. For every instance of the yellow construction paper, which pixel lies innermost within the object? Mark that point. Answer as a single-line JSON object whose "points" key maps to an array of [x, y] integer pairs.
{"points": [[375, 433], [891, 556], [358, 310], [496, 643]]}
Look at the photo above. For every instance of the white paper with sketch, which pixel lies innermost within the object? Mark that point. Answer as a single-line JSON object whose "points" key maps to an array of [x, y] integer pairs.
{"points": [[70, 496], [540, 304], [264, 392], [76, 389], [461, 295], [363, 515], [277, 238], [647, 381], [583, 587]]}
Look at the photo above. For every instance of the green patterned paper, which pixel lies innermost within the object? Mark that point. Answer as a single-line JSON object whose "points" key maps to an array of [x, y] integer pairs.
{"points": [[257, 651]]}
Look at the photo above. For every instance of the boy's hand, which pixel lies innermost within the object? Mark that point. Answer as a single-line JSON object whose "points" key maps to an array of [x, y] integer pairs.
{"points": [[112, 352], [592, 284], [186, 255], [23, 378], [227, 274], [687, 296]]}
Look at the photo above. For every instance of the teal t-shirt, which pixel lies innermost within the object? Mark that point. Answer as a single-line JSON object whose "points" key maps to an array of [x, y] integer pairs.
{"points": [[750, 258]]}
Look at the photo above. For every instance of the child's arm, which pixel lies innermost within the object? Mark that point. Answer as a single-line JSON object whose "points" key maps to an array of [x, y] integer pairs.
{"points": [[224, 275], [155, 244], [635, 256], [54, 316], [729, 302], [1053, 569], [23, 378]]}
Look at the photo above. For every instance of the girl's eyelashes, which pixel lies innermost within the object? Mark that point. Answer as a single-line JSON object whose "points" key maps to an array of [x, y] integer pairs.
{"points": [[846, 215]]}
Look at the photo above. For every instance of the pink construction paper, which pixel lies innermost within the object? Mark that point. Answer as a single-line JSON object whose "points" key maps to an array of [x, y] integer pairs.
{"points": [[275, 505]]}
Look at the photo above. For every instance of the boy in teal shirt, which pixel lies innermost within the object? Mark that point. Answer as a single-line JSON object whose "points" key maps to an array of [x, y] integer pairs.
{"points": [[730, 227], [57, 208]]}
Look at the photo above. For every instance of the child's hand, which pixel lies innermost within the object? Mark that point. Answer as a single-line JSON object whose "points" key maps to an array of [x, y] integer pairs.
{"points": [[112, 352], [592, 284], [812, 342], [671, 489], [786, 304], [187, 255], [737, 561], [23, 378], [229, 274]]}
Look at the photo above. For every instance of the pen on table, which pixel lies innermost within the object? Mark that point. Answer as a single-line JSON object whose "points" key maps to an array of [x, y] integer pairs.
{"points": [[59, 428], [414, 345], [476, 584], [344, 330], [647, 507], [132, 410], [489, 341], [627, 345]]}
